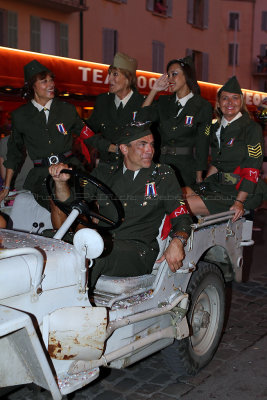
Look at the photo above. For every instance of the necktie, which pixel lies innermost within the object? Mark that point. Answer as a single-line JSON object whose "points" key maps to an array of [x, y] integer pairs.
{"points": [[119, 110], [178, 107], [128, 175]]}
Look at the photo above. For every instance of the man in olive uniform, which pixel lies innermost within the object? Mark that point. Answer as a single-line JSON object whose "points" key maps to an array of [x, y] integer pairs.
{"points": [[148, 192], [115, 108], [44, 126]]}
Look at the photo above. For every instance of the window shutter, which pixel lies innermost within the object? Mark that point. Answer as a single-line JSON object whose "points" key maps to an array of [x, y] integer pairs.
{"points": [[64, 40], [189, 52], [205, 67], [263, 50], [2, 42], [264, 21], [169, 8], [150, 5], [158, 56], [35, 33], [12, 30], [190, 11], [110, 44], [206, 14]]}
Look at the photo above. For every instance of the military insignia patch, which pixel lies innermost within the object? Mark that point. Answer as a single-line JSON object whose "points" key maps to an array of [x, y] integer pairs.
{"points": [[255, 151], [207, 130], [231, 142], [151, 190], [61, 129], [189, 120]]}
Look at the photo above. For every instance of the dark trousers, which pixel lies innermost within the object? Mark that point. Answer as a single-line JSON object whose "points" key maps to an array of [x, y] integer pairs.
{"points": [[127, 258]]}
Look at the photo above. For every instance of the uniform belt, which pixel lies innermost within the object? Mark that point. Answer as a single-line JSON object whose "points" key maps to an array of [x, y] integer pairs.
{"points": [[54, 159], [182, 151], [228, 178]]}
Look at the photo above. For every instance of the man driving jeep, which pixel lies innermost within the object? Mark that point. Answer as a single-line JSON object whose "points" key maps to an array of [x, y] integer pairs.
{"points": [[147, 191]]}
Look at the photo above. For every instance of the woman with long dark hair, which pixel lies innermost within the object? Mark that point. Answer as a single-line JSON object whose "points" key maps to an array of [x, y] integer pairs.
{"points": [[184, 120]]}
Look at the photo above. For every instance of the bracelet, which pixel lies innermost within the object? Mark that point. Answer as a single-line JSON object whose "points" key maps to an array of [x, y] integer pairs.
{"points": [[240, 201], [181, 238], [5, 187]]}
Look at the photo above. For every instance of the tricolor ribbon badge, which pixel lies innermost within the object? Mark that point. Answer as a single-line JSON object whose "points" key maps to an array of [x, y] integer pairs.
{"points": [[61, 129], [134, 115], [151, 190], [231, 142], [189, 120]]}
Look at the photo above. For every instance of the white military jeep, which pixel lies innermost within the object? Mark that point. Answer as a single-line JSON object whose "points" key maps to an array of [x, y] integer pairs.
{"points": [[53, 336]]}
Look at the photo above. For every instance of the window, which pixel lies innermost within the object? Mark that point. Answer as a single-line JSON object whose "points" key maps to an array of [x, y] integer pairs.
{"points": [[160, 7], [233, 54], [234, 21], [8, 28], [201, 62], [110, 45], [198, 13], [264, 20], [158, 56], [49, 37]]}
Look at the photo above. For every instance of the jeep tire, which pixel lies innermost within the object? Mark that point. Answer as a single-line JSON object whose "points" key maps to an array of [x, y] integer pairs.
{"points": [[205, 318]]}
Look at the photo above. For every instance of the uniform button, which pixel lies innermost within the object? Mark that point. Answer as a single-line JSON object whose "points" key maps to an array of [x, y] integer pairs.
{"points": [[116, 128], [174, 128], [125, 204], [49, 141], [172, 141]]}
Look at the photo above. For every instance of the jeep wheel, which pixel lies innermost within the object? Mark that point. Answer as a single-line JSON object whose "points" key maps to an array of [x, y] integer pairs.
{"points": [[205, 318]]}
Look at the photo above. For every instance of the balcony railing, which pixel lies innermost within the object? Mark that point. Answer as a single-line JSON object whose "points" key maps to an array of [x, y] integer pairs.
{"points": [[67, 6]]}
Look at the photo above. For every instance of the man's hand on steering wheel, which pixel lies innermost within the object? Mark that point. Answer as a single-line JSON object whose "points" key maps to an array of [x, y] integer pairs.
{"points": [[60, 175], [55, 169]]}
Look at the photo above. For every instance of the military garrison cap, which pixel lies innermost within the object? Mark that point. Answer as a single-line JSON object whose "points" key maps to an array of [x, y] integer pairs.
{"points": [[33, 68], [231, 86], [134, 131], [123, 61]]}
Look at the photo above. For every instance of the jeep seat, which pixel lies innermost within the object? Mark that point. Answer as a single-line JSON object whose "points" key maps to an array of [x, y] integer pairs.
{"points": [[26, 211]]}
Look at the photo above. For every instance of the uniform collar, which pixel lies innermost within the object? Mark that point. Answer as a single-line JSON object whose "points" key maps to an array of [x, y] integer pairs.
{"points": [[225, 123], [124, 101], [39, 107], [124, 169], [185, 99]]}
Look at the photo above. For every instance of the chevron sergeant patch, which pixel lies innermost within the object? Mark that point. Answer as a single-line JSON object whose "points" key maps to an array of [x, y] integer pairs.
{"points": [[207, 130], [254, 151]]}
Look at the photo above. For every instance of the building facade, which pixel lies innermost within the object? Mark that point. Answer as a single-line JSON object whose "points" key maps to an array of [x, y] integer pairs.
{"points": [[225, 37]]}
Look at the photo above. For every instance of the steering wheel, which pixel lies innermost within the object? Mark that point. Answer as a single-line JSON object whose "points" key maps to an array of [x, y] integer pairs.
{"points": [[83, 206]]}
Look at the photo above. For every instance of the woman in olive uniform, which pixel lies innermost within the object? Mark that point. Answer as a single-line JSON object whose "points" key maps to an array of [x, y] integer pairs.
{"points": [[184, 119], [44, 126], [232, 180], [115, 108]]}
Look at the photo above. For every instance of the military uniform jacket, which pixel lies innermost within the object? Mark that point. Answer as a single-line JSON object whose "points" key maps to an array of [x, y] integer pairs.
{"points": [[105, 121], [41, 139], [190, 129], [144, 205], [241, 146]]}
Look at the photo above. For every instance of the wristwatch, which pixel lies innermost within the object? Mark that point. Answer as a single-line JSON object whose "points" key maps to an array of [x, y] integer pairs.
{"points": [[117, 149], [182, 238]]}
